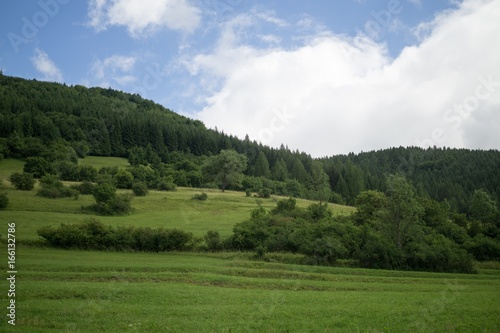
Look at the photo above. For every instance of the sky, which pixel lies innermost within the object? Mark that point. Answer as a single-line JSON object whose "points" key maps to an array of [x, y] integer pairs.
{"points": [[325, 77]]}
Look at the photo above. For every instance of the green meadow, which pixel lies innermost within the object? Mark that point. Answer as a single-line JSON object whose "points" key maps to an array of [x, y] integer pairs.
{"points": [[86, 291]]}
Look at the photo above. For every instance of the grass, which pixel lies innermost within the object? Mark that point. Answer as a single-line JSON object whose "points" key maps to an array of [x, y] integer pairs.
{"points": [[79, 291], [158, 209], [99, 162], [86, 291]]}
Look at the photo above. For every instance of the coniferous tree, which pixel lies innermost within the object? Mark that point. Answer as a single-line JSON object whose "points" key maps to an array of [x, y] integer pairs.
{"points": [[261, 168]]}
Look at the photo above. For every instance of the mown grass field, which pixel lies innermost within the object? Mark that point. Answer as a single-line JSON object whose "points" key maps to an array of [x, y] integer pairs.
{"points": [[85, 291], [79, 291]]}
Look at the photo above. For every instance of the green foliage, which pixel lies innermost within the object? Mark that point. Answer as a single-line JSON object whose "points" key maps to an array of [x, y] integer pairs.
{"points": [[94, 235], [482, 207], [140, 189], [22, 181], [369, 204], [38, 166], [4, 201], [201, 197], [119, 204], [261, 168], [265, 193], [52, 187], [123, 179], [403, 212], [320, 185], [213, 241], [104, 192], [86, 187], [226, 168], [166, 184]]}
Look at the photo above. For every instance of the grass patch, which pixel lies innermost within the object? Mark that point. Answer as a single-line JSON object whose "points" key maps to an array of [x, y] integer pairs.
{"points": [[99, 162]]}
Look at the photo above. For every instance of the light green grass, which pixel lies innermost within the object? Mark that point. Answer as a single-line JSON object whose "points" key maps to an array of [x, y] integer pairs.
{"points": [[78, 291], [7, 167], [99, 162]]}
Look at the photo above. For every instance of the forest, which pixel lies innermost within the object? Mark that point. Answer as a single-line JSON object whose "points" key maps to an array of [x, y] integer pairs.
{"points": [[450, 196]]}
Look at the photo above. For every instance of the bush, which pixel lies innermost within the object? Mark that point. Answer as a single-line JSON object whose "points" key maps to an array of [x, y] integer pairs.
{"points": [[166, 184], [140, 189], [94, 235], [213, 241], [202, 197], [86, 187], [52, 187], [123, 179], [4, 201], [118, 205], [104, 192], [22, 181], [265, 193]]}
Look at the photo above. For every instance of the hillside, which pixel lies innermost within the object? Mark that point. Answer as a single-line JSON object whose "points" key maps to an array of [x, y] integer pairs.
{"points": [[41, 118]]}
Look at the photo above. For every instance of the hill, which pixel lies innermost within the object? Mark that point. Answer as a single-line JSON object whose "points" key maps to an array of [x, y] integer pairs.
{"points": [[42, 118]]}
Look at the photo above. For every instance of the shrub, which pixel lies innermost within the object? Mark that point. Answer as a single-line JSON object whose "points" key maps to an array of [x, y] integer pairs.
{"points": [[22, 181], [104, 192], [92, 234], [213, 241], [86, 187], [140, 189], [202, 197], [118, 205], [4, 201], [166, 184], [265, 193], [124, 179], [52, 187]]}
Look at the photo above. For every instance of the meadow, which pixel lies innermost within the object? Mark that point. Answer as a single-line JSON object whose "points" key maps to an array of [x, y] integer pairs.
{"points": [[87, 291]]}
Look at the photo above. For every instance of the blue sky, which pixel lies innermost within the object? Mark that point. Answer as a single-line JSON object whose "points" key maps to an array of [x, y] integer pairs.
{"points": [[325, 77]]}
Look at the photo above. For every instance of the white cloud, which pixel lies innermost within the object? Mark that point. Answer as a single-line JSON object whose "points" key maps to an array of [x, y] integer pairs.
{"points": [[142, 17], [113, 71], [44, 65], [334, 94]]}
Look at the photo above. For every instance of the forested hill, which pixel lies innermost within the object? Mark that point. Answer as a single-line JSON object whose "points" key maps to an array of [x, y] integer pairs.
{"points": [[38, 118]]}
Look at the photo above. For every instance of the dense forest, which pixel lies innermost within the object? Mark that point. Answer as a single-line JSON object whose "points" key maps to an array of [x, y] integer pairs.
{"points": [[38, 118]]}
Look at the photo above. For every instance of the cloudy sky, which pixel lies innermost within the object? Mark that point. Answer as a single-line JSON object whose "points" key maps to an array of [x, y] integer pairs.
{"points": [[322, 76]]}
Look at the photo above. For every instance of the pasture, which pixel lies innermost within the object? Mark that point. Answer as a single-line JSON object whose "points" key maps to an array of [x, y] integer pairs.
{"points": [[86, 291], [79, 291]]}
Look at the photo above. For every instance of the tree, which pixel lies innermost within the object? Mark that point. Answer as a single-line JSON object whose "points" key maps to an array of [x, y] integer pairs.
{"points": [[369, 204], [280, 171], [226, 168], [38, 166], [262, 166], [298, 171], [482, 207], [320, 183], [403, 211]]}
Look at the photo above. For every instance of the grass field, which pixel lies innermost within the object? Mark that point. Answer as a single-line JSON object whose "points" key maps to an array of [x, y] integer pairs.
{"points": [[78, 291], [84, 291]]}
